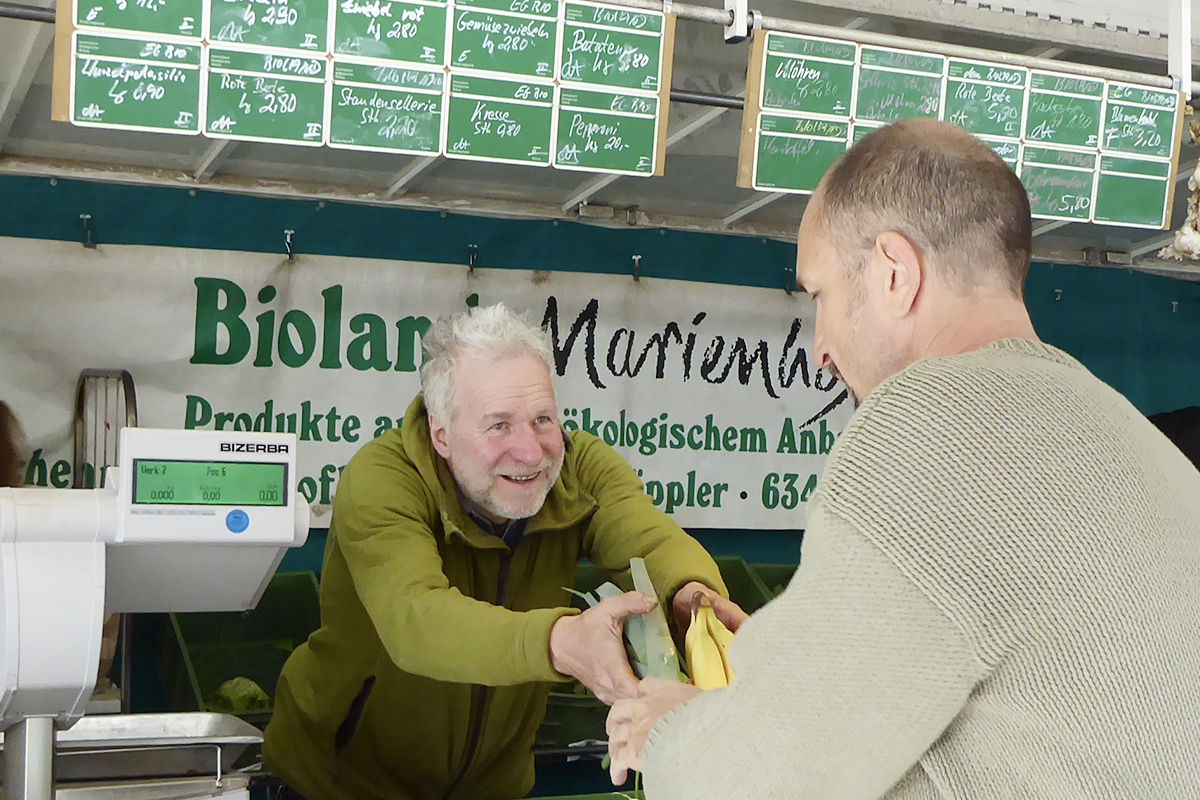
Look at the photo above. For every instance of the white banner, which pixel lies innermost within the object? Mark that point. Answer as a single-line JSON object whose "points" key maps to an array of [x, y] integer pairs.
{"points": [[709, 391]]}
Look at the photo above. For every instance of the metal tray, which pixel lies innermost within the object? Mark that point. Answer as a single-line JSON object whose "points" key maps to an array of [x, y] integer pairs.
{"points": [[133, 746]]}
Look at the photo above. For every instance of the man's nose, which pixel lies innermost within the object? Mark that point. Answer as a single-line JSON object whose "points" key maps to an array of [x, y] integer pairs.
{"points": [[525, 446], [820, 351]]}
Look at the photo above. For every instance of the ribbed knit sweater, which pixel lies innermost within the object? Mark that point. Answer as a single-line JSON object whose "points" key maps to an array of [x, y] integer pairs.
{"points": [[999, 597]]}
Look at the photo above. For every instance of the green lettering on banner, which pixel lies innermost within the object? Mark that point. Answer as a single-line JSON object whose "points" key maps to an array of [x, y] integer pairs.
{"points": [[332, 327], [408, 344], [211, 315], [368, 350], [787, 438], [297, 338], [266, 329]]}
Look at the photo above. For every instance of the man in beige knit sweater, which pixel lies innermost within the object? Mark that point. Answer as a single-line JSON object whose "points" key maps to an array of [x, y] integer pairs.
{"points": [[1000, 589]]}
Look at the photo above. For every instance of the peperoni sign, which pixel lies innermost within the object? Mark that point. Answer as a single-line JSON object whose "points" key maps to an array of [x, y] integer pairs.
{"points": [[709, 391]]}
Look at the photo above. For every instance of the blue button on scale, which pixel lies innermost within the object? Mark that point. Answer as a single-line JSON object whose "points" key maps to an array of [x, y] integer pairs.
{"points": [[237, 520]]}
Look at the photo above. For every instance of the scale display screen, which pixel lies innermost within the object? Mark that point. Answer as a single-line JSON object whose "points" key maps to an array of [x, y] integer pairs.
{"points": [[209, 483]]}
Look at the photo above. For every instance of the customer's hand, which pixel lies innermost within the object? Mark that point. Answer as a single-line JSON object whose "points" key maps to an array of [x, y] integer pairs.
{"points": [[630, 722]]}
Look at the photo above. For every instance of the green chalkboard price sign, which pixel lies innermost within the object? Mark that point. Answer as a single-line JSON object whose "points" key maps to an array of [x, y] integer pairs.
{"points": [[1133, 192], [488, 119], [614, 47], [1009, 150], [287, 24], [985, 99], [898, 84], [803, 74], [1060, 182], [394, 30], [794, 152], [860, 129], [165, 17], [266, 97], [1086, 149], [487, 35], [138, 84], [386, 108], [1140, 121], [606, 132], [1063, 109]]}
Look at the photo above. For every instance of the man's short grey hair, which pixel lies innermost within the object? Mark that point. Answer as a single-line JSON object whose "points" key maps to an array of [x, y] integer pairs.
{"points": [[489, 334]]}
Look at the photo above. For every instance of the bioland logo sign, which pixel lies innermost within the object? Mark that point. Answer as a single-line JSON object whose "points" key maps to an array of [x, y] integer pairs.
{"points": [[709, 391]]}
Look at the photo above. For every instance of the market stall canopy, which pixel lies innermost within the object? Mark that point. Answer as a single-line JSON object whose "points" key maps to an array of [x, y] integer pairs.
{"points": [[699, 186]]}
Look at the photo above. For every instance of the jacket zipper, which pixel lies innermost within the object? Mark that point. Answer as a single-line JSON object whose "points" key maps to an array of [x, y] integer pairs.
{"points": [[481, 695]]}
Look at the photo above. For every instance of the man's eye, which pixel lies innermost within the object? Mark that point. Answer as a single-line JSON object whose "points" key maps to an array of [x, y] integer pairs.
{"points": [[542, 420], [499, 426]]}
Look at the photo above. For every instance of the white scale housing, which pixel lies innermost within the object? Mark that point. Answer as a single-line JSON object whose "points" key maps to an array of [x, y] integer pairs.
{"points": [[196, 521]]}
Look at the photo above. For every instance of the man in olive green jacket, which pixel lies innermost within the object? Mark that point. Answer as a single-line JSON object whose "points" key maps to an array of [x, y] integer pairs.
{"points": [[443, 615]]}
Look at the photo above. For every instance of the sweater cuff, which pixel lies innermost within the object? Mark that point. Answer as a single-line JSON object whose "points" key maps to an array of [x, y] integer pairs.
{"points": [[535, 646], [656, 732]]}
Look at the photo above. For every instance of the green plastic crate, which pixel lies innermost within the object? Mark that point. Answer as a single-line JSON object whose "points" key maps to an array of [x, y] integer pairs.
{"points": [[212, 648], [571, 717], [614, 795], [745, 587], [775, 577]]}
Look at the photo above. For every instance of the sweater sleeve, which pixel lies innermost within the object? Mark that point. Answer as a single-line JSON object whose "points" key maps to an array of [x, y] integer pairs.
{"points": [[382, 525], [840, 685], [627, 525]]}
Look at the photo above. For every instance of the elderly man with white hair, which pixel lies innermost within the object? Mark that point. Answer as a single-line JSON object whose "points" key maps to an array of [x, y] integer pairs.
{"points": [[444, 620]]}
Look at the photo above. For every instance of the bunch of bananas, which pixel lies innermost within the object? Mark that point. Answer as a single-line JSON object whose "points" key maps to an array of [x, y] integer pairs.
{"points": [[706, 646]]}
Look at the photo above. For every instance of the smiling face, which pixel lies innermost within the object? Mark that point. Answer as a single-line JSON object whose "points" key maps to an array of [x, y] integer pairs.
{"points": [[504, 445]]}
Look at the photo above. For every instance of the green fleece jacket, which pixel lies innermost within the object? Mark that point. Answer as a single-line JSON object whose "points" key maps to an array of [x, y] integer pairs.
{"points": [[430, 672]]}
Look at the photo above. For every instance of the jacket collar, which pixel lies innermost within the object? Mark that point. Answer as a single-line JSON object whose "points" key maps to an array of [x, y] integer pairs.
{"points": [[568, 504]]}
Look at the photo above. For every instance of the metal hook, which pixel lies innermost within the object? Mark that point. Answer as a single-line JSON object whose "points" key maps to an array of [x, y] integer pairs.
{"points": [[789, 280], [1174, 306], [87, 231], [472, 256], [287, 243], [1057, 295], [637, 267]]}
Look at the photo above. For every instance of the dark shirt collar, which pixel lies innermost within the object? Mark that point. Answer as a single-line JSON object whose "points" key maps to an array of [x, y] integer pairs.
{"points": [[509, 531]]}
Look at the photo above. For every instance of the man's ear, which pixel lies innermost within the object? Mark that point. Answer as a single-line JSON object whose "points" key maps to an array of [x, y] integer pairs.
{"points": [[901, 271], [438, 437]]}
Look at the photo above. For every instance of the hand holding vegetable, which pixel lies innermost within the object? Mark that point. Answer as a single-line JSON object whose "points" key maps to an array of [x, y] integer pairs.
{"points": [[590, 647]]}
